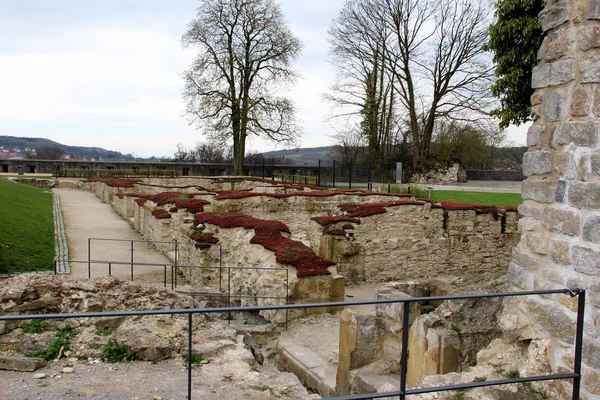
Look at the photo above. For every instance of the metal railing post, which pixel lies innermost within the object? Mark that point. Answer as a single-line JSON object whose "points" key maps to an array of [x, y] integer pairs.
{"points": [[89, 258], [220, 267], [132, 260], [404, 359], [165, 275], [190, 356], [229, 293], [109, 269], [579, 344], [287, 295]]}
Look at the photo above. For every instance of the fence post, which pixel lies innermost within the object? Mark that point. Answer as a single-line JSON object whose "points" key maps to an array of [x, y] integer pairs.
{"points": [[369, 186], [263, 172], [319, 174], [333, 181], [350, 175]]}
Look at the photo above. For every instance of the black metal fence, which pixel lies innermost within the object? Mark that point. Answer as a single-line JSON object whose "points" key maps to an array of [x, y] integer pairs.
{"points": [[402, 392], [335, 174]]}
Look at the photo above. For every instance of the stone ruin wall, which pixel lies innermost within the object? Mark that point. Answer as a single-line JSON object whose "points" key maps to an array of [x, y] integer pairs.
{"points": [[560, 230], [420, 242], [237, 252], [406, 242]]}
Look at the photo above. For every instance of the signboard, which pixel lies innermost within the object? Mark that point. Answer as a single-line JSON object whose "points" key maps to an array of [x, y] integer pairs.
{"points": [[398, 172]]}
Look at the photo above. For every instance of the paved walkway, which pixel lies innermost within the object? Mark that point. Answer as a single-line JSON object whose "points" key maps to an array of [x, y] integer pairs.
{"points": [[86, 216]]}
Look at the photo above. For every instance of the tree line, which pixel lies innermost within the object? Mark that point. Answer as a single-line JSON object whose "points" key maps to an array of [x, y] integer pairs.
{"points": [[417, 80]]}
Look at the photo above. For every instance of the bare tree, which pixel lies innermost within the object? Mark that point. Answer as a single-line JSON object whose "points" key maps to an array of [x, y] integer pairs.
{"points": [[433, 52], [351, 146], [364, 86], [49, 152], [439, 63], [245, 51], [212, 152]]}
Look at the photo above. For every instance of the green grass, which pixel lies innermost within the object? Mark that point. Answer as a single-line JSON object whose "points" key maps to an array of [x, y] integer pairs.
{"points": [[489, 199], [26, 228]]}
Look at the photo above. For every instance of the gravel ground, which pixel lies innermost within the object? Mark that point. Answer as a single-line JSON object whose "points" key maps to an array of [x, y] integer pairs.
{"points": [[143, 380]]}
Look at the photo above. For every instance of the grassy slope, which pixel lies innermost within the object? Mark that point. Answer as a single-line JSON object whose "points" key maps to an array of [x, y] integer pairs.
{"points": [[26, 228], [491, 199]]}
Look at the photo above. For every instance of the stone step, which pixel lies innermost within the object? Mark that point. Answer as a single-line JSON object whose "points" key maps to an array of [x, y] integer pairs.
{"points": [[311, 369], [368, 382]]}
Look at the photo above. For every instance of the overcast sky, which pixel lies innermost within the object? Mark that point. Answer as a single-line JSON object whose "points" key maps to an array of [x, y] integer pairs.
{"points": [[108, 73]]}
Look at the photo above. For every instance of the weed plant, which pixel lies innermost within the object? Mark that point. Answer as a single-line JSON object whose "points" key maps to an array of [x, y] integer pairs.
{"points": [[58, 346], [36, 326], [114, 352]]}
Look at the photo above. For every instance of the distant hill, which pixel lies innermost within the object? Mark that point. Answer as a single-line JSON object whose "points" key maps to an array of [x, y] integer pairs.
{"points": [[304, 156], [21, 144]]}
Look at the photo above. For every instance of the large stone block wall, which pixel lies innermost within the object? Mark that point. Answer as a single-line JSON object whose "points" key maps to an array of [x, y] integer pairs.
{"points": [[418, 241], [560, 244]]}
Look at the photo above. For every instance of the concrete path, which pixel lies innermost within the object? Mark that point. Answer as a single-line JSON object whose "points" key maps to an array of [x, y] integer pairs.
{"points": [[86, 216]]}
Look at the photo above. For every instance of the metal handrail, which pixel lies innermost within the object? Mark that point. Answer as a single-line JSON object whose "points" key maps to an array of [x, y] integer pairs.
{"points": [[402, 392]]}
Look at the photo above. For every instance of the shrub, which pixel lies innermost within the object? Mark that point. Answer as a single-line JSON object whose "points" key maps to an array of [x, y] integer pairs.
{"points": [[114, 352]]}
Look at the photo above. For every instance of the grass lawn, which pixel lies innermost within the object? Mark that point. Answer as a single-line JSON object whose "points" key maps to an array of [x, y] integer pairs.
{"points": [[490, 199], [26, 228]]}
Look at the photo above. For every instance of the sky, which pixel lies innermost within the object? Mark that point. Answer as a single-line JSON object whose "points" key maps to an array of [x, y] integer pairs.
{"points": [[108, 73]]}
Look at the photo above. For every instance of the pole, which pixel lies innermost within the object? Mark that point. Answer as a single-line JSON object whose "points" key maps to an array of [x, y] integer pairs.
{"points": [[319, 174], [404, 359], [333, 185], [579, 344], [132, 260], [350, 175]]}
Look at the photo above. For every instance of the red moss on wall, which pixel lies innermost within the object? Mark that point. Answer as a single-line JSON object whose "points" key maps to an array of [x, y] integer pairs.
{"points": [[511, 208], [204, 240], [235, 194], [358, 210], [180, 200], [114, 182], [141, 202], [161, 214], [332, 219], [268, 234]]}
